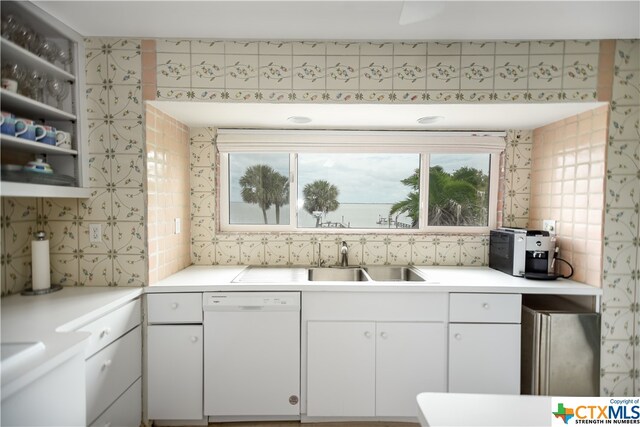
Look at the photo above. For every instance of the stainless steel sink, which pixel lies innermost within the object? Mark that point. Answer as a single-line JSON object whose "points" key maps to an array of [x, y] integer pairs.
{"points": [[337, 275], [394, 274]]}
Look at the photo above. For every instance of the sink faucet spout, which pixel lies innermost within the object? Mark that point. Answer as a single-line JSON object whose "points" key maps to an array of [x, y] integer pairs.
{"points": [[344, 255]]}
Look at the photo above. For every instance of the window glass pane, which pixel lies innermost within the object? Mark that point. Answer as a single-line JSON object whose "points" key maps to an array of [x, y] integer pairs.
{"points": [[358, 190], [459, 189], [259, 188]]}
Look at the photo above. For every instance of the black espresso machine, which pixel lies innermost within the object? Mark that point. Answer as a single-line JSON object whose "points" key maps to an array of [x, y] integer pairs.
{"points": [[521, 252]]}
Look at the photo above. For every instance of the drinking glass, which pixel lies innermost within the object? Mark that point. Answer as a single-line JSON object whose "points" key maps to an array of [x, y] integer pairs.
{"points": [[59, 90], [48, 50], [10, 26], [37, 84]]}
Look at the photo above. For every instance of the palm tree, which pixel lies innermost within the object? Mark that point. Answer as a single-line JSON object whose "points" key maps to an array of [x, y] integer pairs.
{"points": [[263, 186], [279, 193], [320, 196], [410, 205]]}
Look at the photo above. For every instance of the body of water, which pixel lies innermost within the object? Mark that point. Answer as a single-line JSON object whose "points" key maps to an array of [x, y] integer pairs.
{"points": [[352, 215]]}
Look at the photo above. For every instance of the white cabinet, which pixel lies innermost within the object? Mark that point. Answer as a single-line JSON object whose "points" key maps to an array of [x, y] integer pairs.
{"points": [[410, 359], [484, 343], [113, 364], [65, 114], [366, 369], [484, 358], [175, 356], [174, 372], [341, 369], [125, 411]]}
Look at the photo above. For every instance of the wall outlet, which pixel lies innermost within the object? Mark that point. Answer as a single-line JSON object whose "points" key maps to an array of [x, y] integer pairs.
{"points": [[95, 233], [549, 225], [177, 222]]}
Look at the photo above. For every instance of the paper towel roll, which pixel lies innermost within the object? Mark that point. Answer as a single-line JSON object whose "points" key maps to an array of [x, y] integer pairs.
{"points": [[40, 273]]}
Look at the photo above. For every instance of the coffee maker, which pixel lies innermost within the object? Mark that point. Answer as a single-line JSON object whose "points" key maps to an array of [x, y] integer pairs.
{"points": [[521, 252]]}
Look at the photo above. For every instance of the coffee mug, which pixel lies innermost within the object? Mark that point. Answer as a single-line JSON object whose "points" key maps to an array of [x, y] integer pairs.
{"points": [[10, 85], [63, 139], [50, 137], [28, 129], [8, 124]]}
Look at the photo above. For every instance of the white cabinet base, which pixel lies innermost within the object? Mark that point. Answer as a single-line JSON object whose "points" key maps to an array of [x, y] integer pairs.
{"points": [[124, 412], [484, 358]]}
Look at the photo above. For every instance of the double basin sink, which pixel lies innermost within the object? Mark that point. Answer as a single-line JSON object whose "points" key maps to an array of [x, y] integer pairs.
{"points": [[397, 274], [365, 274]]}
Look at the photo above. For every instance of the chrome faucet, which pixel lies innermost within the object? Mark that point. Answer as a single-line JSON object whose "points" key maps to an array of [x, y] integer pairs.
{"points": [[319, 261], [344, 255]]}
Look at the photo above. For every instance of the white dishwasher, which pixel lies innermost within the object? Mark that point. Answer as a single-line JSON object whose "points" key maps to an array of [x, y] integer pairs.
{"points": [[251, 355]]}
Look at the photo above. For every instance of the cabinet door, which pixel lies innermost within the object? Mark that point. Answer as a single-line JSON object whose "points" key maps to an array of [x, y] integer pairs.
{"points": [[484, 358], [340, 369], [174, 372], [410, 359]]}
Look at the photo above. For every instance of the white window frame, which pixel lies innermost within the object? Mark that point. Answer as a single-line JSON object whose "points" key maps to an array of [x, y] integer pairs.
{"points": [[392, 142]]}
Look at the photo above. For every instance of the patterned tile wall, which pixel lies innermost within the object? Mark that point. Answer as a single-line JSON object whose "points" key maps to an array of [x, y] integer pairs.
{"points": [[402, 72], [568, 185], [167, 144], [209, 247], [116, 175], [621, 276]]}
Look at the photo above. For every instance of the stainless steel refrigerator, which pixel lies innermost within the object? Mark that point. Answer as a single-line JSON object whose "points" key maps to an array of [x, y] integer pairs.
{"points": [[560, 351]]}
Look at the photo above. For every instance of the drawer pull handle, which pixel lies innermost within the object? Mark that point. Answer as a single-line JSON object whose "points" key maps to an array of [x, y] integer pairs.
{"points": [[367, 334], [458, 336], [105, 332], [383, 335], [106, 364], [485, 306], [108, 424], [174, 305], [194, 339]]}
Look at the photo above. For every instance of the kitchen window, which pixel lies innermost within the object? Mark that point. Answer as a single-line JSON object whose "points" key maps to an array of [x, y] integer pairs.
{"points": [[342, 181]]}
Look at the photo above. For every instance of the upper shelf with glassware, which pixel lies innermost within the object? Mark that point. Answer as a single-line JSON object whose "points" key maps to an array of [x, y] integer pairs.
{"points": [[43, 105]]}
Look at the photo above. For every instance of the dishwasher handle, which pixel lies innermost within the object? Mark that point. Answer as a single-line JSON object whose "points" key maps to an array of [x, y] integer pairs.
{"points": [[251, 307]]}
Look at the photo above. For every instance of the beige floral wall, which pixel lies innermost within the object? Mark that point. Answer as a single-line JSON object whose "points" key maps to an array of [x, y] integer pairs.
{"points": [[567, 184]]}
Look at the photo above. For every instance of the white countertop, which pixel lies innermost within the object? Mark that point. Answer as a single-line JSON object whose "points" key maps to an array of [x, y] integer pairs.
{"points": [[438, 279], [52, 319]]}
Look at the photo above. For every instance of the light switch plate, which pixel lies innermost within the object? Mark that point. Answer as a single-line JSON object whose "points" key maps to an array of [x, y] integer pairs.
{"points": [[177, 222]]}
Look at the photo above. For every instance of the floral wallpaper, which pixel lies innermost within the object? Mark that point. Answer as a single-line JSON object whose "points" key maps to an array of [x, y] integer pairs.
{"points": [[209, 247], [621, 270], [116, 174], [404, 72]]}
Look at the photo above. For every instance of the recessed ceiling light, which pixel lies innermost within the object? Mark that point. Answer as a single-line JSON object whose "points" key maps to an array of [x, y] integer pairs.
{"points": [[298, 119], [427, 120]]}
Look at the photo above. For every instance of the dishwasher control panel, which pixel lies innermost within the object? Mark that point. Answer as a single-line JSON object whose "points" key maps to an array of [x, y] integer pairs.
{"points": [[272, 301]]}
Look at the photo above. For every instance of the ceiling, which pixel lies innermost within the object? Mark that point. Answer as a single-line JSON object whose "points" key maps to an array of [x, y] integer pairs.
{"points": [[357, 20], [352, 20], [371, 116]]}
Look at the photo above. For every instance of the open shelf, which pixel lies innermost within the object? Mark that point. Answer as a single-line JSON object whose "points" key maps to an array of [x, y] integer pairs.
{"points": [[14, 54], [21, 105], [19, 189], [21, 144]]}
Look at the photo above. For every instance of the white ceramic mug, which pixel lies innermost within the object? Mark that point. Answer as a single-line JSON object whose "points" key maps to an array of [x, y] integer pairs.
{"points": [[63, 139]]}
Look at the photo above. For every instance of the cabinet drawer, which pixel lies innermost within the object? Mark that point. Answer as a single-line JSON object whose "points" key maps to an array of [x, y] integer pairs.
{"points": [[112, 326], [485, 308], [175, 308], [111, 371], [126, 411]]}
